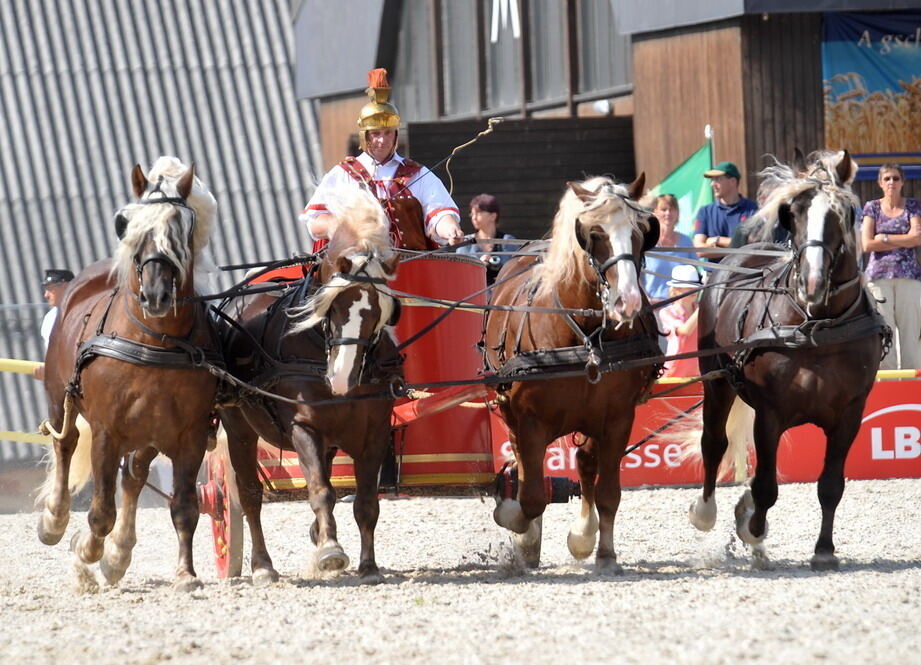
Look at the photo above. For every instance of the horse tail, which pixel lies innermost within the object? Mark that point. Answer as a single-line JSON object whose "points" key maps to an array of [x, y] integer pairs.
{"points": [[688, 429], [81, 464]]}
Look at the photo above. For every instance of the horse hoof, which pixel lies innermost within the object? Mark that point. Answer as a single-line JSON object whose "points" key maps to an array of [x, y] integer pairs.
{"points": [[744, 510], [508, 515], [187, 584], [112, 573], [580, 546], [332, 559], [264, 576], [45, 535], [760, 560], [370, 575], [824, 562], [609, 565], [528, 543], [702, 514]]}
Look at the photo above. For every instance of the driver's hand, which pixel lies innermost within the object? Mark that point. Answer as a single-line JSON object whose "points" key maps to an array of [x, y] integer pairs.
{"points": [[448, 229]]}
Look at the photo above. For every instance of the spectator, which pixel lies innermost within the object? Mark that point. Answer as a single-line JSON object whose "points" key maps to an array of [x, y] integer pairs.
{"points": [[658, 270], [715, 223], [484, 215], [54, 285], [420, 209], [679, 321], [891, 231]]}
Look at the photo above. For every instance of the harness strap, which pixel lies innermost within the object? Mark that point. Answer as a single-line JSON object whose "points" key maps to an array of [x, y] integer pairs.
{"points": [[138, 353]]}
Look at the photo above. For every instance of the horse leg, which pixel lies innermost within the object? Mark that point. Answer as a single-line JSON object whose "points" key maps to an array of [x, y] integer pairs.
{"points": [[184, 505], [242, 444], [532, 495], [101, 516], [367, 504], [584, 530], [121, 541], [718, 399], [831, 485], [609, 453], [751, 510], [330, 456], [330, 557], [56, 513]]}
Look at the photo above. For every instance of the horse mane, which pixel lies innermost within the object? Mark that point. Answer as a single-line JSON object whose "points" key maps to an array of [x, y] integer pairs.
{"points": [[362, 235], [564, 261], [171, 239], [782, 183]]}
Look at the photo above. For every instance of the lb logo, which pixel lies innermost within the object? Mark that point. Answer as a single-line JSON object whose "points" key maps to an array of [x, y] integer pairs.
{"points": [[895, 432]]}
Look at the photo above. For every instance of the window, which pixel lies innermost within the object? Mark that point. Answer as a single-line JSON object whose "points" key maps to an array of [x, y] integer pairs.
{"points": [[604, 54]]}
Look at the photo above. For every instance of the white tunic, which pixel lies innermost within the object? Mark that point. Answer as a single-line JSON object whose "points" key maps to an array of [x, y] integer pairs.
{"points": [[424, 186]]}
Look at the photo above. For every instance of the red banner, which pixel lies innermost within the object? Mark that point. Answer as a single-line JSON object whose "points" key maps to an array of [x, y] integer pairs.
{"points": [[888, 444]]}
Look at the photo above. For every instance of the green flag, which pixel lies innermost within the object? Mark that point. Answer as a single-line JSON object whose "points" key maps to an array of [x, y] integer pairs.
{"points": [[690, 187]]}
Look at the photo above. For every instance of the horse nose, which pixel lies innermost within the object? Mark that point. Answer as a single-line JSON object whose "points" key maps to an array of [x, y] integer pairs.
{"points": [[627, 306], [156, 303]]}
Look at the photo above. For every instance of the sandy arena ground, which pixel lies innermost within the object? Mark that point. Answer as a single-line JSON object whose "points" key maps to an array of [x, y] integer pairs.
{"points": [[454, 594]]}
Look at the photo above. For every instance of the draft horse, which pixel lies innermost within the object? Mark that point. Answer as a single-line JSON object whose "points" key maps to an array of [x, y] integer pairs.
{"points": [[125, 354], [332, 360], [812, 342], [593, 264]]}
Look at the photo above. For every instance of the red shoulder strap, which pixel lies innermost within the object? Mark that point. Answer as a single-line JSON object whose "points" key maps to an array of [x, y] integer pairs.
{"points": [[408, 169], [354, 168]]}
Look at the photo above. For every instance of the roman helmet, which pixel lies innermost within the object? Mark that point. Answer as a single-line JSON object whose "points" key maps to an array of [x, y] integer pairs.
{"points": [[378, 113]]}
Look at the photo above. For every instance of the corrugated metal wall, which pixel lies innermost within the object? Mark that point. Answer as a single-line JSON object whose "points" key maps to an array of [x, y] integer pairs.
{"points": [[90, 87]]}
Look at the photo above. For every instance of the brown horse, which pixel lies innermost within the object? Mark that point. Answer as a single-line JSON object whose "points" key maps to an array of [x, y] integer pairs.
{"points": [[337, 343], [592, 263], [815, 344], [123, 355]]}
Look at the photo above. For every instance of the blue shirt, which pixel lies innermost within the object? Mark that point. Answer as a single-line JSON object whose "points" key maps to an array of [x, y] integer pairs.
{"points": [[655, 285], [716, 219]]}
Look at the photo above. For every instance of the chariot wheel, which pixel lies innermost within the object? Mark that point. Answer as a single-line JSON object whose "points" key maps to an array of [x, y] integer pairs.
{"points": [[220, 499]]}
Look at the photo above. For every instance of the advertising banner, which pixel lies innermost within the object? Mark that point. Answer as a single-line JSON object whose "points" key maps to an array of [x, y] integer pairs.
{"points": [[871, 71]]}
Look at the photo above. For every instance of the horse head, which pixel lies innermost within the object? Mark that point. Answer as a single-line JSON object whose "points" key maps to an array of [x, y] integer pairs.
{"points": [[354, 305], [814, 202], [614, 231], [159, 235]]}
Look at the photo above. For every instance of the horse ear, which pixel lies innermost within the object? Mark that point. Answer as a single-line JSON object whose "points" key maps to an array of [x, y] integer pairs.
{"points": [[785, 217], [846, 168], [584, 195], [799, 161], [635, 188], [138, 181], [185, 182], [651, 237], [390, 266], [121, 223]]}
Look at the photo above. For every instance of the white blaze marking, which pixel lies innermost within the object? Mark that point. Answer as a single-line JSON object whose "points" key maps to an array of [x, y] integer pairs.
{"points": [[815, 227], [346, 354], [621, 238]]}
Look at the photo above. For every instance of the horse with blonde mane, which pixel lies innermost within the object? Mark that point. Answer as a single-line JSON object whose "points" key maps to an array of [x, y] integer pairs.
{"points": [[125, 356], [598, 318], [807, 343], [324, 346]]}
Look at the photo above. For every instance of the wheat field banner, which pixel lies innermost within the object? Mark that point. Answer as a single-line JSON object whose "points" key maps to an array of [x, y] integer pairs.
{"points": [[871, 70]]}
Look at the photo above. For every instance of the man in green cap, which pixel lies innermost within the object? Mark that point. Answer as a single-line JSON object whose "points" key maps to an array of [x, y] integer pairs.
{"points": [[715, 223]]}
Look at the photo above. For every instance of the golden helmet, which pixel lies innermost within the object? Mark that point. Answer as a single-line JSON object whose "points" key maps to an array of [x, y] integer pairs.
{"points": [[378, 113]]}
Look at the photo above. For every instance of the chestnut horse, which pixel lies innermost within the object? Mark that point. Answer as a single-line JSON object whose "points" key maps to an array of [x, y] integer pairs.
{"points": [[592, 263], [815, 343], [124, 354], [312, 354]]}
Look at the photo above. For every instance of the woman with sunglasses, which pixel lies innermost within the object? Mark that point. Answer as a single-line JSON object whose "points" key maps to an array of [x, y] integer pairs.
{"points": [[891, 232]]}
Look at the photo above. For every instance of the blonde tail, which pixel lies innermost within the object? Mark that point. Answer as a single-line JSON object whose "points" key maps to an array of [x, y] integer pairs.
{"points": [[740, 430]]}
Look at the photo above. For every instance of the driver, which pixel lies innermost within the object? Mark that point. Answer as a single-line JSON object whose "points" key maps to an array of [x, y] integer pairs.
{"points": [[421, 212]]}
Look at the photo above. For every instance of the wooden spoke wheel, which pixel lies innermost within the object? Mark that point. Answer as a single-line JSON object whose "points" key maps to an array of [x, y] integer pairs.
{"points": [[219, 498]]}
